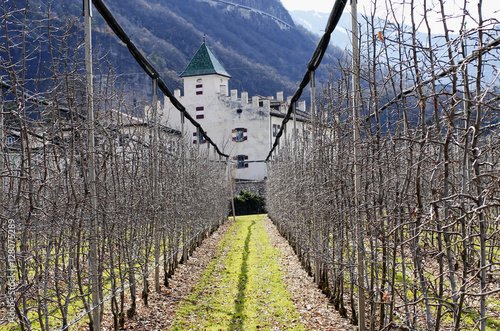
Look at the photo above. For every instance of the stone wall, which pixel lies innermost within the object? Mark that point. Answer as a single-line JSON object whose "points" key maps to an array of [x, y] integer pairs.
{"points": [[256, 187]]}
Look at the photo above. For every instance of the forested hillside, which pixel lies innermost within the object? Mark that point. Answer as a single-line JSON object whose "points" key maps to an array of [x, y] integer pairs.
{"points": [[262, 55]]}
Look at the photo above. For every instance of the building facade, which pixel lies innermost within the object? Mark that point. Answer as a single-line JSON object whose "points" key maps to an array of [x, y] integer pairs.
{"points": [[242, 127]]}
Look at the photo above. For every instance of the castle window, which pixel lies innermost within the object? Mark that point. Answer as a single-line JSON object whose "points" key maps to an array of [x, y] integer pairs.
{"points": [[200, 112], [239, 134], [276, 129], [242, 161], [198, 138], [199, 89], [11, 141]]}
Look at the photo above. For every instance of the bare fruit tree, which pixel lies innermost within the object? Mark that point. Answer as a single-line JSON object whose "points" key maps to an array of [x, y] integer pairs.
{"points": [[429, 194], [157, 198]]}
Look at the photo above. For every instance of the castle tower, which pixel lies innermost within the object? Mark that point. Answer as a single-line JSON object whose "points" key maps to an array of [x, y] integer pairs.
{"points": [[205, 75]]}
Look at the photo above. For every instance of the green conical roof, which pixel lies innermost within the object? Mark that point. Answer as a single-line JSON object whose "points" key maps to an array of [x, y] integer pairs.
{"points": [[204, 62]]}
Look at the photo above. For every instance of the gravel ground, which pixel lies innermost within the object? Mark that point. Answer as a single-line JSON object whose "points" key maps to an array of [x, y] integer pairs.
{"points": [[160, 312], [311, 304]]}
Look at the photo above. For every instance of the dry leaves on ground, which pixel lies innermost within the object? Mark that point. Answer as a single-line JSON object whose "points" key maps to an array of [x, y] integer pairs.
{"points": [[160, 312], [312, 305]]}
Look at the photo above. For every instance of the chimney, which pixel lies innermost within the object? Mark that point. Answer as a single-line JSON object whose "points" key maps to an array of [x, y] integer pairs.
{"points": [[266, 104], [302, 105], [279, 96], [177, 93], [244, 97]]}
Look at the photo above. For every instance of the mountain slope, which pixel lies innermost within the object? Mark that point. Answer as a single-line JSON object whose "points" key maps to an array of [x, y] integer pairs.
{"points": [[256, 40], [261, 55], [315, 22]]}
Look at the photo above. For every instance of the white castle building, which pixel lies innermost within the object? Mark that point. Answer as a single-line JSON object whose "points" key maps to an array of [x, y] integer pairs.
{"points": [[242, 127]]}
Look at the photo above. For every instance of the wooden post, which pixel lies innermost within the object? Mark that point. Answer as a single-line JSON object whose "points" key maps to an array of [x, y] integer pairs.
{"points": [[3, 266], [156, 220], [2, 144], [313, 108], [94, 230], [230, 178], [294, 135], [314, 153], [356, 95]]}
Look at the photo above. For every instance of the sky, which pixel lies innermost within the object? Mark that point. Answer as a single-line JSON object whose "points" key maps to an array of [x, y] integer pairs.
{"points": [[490, 9]]}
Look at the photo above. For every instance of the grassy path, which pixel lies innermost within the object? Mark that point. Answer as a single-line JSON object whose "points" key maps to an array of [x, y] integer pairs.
{"points": [[242, 288]]}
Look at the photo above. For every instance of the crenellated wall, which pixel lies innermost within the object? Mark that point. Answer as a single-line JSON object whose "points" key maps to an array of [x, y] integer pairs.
{"points": [[228, 114]]}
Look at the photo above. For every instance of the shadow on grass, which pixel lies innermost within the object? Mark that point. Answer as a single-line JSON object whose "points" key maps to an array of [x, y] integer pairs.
{"points": [[199, 307], [238, 318]]}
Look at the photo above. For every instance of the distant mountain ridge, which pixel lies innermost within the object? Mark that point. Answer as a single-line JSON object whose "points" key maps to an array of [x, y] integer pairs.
{"points": [[261, 54], [263, 8], [315, 22]]}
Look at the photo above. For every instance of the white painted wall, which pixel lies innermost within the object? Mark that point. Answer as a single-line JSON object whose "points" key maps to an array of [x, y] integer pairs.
{"points": [[224, 112]]}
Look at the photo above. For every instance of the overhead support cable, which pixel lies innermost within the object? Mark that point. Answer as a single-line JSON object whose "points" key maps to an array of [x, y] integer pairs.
{"points": [[313, 64], [148, 67]]}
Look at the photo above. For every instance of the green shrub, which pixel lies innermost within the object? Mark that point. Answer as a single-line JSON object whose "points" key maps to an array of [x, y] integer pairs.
{"points": [[247, 203]]}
